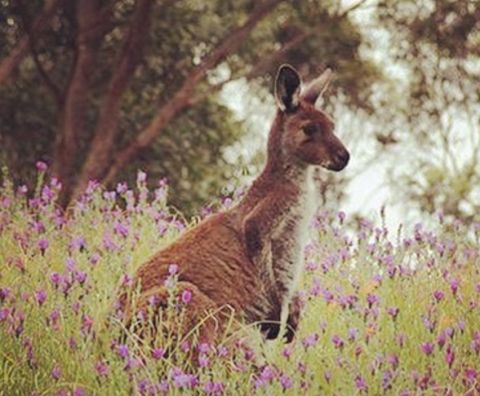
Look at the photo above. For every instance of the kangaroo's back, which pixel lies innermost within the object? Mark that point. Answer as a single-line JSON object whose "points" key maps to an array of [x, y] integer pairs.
{"points": [[210, 256]]}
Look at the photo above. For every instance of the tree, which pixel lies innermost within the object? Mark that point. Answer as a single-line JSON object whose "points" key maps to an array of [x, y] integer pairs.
{"points": [[436, 44], [107, 84]]}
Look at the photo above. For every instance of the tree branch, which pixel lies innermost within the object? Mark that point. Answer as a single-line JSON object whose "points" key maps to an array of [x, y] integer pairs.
{"points": [[33, 49], [180, 99], [16, 56], [259, 69], [351, 8]]}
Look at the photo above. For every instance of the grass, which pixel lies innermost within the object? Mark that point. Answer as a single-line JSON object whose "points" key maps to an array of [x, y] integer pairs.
{"points": [[385, 313]]}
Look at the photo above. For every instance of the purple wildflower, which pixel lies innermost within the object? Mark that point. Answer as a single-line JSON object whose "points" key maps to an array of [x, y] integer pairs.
{"points": [[393, 361], [141, 177], [222, 351], [158, 353], [203, 360], [267, 374], [285, 381], [56, 278], [310, 340], [43, 245], [449, 355], [214, 388], [101, 368], [87, 323], [387, 380], [441, 339], [361, 384], [72, 343], [393, 312], [186, 296], [475, 344], [352, 334], [438, 295], [80, 277], [41, 296], [371, 299], [121, 229], [122, 188], [41, 166], [56, 373], [122, 351], [4, 293], [94, 258], [471, 374], [79, 392], [70, 263], [427, 348], [337, 341], [4, 313], [454, 283]]}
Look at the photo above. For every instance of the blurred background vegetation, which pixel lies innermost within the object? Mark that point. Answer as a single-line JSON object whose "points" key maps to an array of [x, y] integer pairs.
{"points": [[181, 89]]}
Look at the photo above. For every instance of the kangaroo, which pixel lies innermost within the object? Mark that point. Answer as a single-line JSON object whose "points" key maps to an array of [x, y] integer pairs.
{"points": [[249, 257]]}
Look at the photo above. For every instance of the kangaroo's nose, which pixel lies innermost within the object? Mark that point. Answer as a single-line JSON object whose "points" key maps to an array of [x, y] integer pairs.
{"points": [[343, 157]]}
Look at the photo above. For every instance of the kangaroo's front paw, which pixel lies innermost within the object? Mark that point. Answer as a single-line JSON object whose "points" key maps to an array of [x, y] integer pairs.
{"points": [[294, 314]]}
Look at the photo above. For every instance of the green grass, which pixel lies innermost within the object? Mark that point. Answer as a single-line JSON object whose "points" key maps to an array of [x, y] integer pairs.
{"points": [[376, 303]]}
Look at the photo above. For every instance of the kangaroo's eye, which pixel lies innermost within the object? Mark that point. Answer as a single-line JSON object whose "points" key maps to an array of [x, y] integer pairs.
{"points": [[310, 129]]}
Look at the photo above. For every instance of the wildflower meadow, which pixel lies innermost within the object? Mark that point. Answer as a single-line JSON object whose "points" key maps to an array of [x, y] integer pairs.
{"points": [[386, 312]]}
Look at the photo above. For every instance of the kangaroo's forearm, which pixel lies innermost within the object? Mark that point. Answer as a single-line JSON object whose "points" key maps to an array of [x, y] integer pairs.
{"points": [[260, 225]]}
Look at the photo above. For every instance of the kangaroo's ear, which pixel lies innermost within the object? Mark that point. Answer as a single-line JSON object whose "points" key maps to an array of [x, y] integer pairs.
{"points": [[317, 87], [287, 88]]}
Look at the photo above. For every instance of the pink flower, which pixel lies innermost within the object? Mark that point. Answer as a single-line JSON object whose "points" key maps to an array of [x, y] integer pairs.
{"points": [[203, 360], [158, 353], [214, 388], [285, 381], [41, 166], [56, 373], [141, 177], [449, 356], [102, 368], [186, 296], [43, 244], [122, 351], [393, 312], [41, 296], [361, 384], [337, 341], [454, 283], [427, 348], [310, 340], [438, 295]]}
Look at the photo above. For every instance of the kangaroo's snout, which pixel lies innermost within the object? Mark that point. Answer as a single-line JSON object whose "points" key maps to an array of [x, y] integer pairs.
{"points": [[340, 161]]}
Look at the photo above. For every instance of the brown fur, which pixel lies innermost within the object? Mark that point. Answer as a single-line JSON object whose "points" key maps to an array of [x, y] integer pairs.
{"points": [[248, 257]]}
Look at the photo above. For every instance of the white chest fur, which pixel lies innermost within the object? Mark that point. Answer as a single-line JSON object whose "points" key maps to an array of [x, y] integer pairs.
{"points": [[289, 241]]}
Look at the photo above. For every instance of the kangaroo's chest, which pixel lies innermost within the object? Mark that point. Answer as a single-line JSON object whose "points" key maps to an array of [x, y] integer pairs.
{"points": [[289, 240]]}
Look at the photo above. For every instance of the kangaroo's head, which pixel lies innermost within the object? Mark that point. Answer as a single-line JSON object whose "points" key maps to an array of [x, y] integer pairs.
{"points": [[306, 134]]}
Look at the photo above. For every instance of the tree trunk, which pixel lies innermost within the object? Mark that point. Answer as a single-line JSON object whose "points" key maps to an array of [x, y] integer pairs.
{"points": [[72, 121], [106, 131]]}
